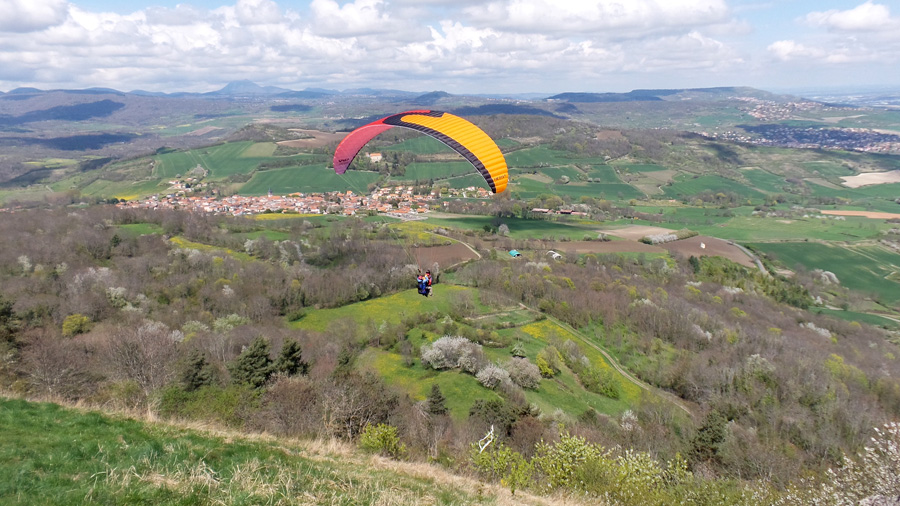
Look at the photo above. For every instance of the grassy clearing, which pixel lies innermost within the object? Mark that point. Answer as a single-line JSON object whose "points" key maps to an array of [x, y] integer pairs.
{"points": [[563, 393], [181, 242], [459, 389], [55, 456], [389, 309], [139, 229]]}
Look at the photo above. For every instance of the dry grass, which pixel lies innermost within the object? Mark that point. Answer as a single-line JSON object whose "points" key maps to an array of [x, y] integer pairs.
{"points": [[353, 477]]}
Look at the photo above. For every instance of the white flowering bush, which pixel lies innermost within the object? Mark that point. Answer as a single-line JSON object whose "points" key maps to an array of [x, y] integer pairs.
{"points": [[523, 373], [876, 473], [492, 375], [453, 351], [873, 478]]}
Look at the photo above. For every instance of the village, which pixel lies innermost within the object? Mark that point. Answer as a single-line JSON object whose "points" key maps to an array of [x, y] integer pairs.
{"points": [[402, 201]]}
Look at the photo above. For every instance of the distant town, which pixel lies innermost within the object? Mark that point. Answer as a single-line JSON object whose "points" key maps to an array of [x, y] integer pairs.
{"points": [[852, 139], [398, 200]]}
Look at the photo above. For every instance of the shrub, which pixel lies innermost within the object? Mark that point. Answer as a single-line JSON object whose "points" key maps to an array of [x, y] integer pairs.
{"points": [[382, 439], [503, 463], [560, 463], [523, 373], [452, 351], [492, 375], [548, 362], [75, 324]]}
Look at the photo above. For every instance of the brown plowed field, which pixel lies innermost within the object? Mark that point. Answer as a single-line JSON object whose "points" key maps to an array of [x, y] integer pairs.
{"points": [[713, 247], [865, 214], [445, 256], [604, 247], [698, 246]]}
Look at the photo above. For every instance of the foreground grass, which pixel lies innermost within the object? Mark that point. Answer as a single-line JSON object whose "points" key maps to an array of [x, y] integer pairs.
{"points": [[53, 455]]}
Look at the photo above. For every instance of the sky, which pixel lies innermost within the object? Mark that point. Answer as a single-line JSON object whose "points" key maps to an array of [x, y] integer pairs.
{"points": [[457, 46]]}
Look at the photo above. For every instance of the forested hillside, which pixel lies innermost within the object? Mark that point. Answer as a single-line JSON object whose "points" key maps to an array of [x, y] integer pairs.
{"points": [[227, 320]]}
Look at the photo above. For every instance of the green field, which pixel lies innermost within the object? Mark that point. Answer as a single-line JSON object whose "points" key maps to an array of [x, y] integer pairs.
{"points": [[638, 167], [540, 156], [752, 228], [862, 268], [421, 145], [55, 456], [307, 179], [765, 181], [424, 171], [607, 191], [221, 160], [687, 186], [604, 174]]}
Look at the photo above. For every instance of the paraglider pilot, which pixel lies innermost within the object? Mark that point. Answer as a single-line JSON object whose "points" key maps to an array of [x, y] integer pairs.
{"points": [[424, 283]]}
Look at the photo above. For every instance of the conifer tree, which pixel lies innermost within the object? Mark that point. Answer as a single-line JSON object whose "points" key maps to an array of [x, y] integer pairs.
{"points": [[196, 371], [435, 404], [252, 367], [290, 360]]}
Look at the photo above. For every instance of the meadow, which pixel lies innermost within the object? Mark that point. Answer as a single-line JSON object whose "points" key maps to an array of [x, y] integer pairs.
{"points": [[563, 392], [53, 455]]}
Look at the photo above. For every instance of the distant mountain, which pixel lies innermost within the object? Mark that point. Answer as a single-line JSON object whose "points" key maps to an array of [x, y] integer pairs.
{"points": [[429, 99], [307, 93], [631, 96], [489, 109], [246, 87], [719, 93]]}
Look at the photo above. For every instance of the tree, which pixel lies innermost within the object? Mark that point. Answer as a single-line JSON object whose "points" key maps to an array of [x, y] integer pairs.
{"points": [[196, 371], [7, 321], [709, 437], [290, 360], [436, 402], [253, 366]]}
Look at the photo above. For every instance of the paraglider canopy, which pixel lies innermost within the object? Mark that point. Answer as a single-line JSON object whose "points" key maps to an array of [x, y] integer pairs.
{"points": [[457, 133]]}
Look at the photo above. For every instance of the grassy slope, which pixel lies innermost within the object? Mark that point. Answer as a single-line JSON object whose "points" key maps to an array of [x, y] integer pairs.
{"points": [[563, 392], [50, 455]]}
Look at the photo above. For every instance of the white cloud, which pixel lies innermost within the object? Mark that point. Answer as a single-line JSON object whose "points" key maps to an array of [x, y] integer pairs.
{"points": [[362, 17], [255, 12], [22, 16], [865, 17], [618, 18], [454, 45], [786, 50]]}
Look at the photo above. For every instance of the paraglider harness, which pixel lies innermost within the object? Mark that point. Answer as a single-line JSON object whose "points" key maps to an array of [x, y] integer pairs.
{"points": [[424, 283]]}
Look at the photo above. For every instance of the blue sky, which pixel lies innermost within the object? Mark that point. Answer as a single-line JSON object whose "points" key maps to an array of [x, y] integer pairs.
{"points": [[459, 46]]}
